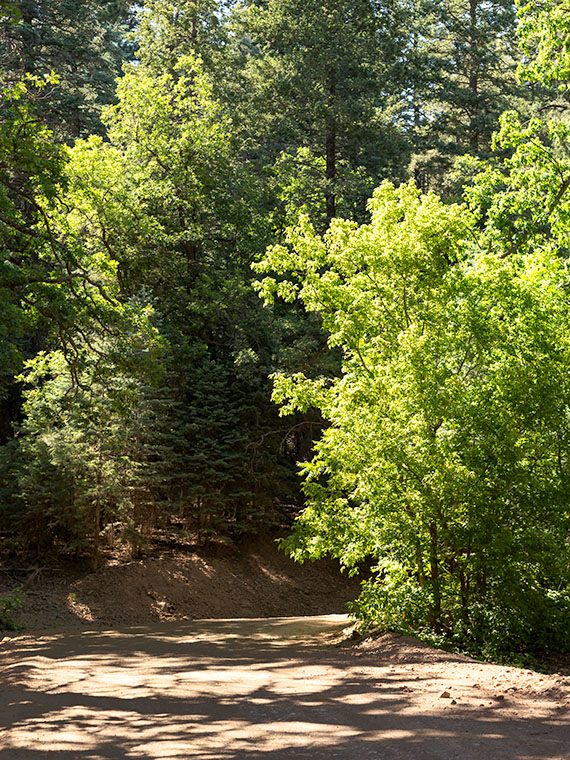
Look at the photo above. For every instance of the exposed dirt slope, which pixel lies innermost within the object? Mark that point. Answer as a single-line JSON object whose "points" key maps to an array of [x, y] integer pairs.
{"points": [[253, 580]]}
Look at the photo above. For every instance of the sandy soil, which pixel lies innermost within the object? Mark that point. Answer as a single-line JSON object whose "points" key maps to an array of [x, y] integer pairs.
{"points": [[118, 664], [254, 579], [269, 690]]}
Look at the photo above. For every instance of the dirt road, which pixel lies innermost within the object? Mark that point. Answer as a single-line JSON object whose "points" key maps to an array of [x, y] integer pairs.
{"points": [[270, 689]]}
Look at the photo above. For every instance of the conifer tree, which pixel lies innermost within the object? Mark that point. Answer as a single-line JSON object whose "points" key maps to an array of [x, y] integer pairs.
{"points": [[168, 30], [465, 57], [317, 77], [83, 43]]}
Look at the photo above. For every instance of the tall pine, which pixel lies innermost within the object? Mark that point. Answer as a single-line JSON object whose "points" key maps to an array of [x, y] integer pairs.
{"points": [[312, 82]]}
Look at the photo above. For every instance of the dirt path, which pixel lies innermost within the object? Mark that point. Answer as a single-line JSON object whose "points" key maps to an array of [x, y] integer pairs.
{"points": [[268, 689]]}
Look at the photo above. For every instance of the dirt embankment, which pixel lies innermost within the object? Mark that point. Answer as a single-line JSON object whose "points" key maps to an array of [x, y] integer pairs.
{"points": [[255, 579]]}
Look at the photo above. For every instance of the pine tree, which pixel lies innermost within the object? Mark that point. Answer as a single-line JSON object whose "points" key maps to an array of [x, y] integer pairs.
{"points": [[465, 56], [83, 43], [318, 77], [168, 30]]}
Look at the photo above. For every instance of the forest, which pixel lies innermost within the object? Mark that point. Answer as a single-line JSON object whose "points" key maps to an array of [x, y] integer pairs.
{"points": [[258, 253]]}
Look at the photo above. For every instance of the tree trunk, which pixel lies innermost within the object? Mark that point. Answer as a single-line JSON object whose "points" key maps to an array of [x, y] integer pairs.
{"points": [[97, 516], [434, 576], [330, 151], [473, 77], [29, 11]]}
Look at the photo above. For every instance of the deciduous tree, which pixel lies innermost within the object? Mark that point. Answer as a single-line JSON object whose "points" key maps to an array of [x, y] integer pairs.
{"points": [[446, 459]]}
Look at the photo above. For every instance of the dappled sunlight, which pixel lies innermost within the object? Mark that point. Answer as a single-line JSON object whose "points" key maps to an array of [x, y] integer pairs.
{"points": [[201, 690]]}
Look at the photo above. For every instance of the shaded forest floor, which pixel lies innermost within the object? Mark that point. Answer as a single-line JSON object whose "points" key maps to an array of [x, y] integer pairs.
{"points": [[178, 581]]}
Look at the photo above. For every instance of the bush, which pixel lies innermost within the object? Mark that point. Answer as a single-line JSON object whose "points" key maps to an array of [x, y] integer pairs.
{"points": [[9, 606]]}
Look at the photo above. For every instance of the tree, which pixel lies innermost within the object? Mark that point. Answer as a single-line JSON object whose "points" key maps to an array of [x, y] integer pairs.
{"points": [[83, 43], [35, 270], [168, 31], [445, 460], [463, 75], [167, 201], [56, 291], [81, 465], [318, 77]]}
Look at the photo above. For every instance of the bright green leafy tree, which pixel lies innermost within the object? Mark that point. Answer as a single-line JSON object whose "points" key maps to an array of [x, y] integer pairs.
{"points": [[59, 295], [445, 459]]}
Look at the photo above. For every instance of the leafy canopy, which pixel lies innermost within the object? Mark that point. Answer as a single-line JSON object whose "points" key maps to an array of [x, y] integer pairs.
{"points": [[445, 457]]}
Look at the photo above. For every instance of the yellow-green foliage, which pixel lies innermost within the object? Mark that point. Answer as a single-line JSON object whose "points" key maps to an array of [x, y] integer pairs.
{"points": [[446, 459]]}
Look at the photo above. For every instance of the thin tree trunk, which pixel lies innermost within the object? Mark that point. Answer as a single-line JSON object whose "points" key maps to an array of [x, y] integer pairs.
{"points": [[97, 520], [330, 148], [434, 575], [29, 12], [473, 76]]}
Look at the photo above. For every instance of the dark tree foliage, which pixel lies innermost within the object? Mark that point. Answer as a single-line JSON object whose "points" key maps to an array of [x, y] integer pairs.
{"points": [[462, 75], [82, 42], [312, 83]]}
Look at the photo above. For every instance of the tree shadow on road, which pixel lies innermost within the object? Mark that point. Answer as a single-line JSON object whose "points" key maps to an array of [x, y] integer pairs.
{"points": [[238, 693]]}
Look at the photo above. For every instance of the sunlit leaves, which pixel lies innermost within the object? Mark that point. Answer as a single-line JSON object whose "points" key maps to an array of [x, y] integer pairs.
{"points": [[445, 459], [544, 28]]}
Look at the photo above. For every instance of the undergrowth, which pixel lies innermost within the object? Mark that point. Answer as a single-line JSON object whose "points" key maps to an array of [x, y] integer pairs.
{"points": [[10, 605]]}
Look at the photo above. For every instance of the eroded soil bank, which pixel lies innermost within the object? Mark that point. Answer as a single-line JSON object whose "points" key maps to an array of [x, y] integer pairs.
{"points": [[254, 579]]}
